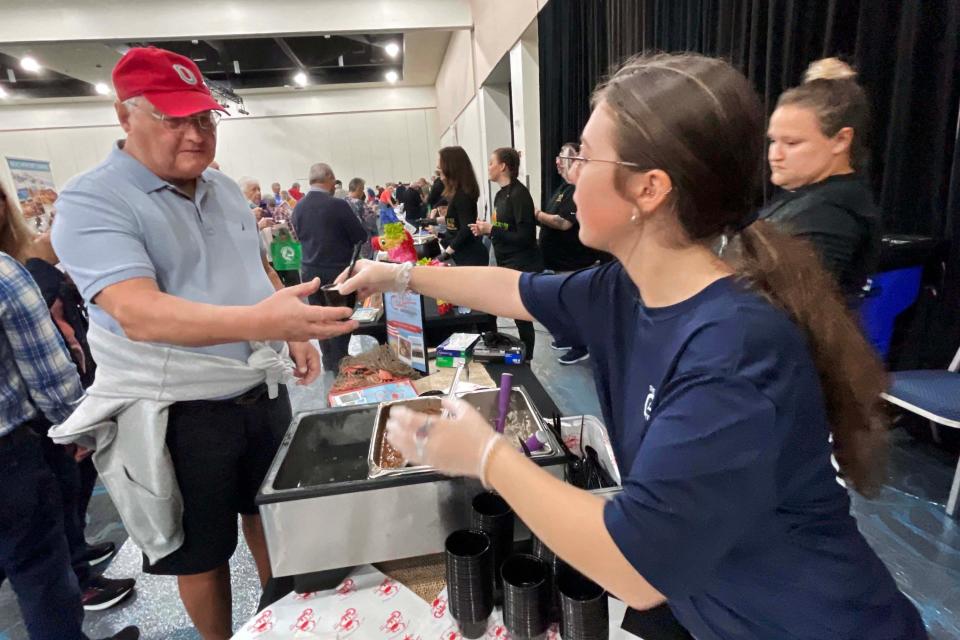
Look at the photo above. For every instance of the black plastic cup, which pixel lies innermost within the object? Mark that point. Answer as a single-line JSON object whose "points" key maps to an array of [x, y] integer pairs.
{"points": [[556, 566], [470, 581], [493, 516], [526, 596], [333, 298], [584, 606]]}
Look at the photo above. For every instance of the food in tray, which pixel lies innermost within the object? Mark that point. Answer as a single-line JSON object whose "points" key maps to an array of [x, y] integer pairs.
{"points": [[519, 423], [390, 458]]}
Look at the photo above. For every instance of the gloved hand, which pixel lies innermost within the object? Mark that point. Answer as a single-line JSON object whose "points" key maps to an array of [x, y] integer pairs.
{"points": [[371, 277], [455, 446]]}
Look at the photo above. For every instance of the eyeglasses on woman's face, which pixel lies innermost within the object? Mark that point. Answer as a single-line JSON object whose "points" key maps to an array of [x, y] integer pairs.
{"points": [[578, 162]]}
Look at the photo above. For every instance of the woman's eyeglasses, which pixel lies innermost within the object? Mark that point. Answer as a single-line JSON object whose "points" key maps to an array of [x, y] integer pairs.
{"points": [[579, 161]]}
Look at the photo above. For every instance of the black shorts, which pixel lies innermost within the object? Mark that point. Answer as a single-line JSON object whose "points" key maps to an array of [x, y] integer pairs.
{"points": [[221, 451]]}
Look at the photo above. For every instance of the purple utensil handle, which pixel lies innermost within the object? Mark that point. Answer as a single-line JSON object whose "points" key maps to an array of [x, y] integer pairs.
{"points": [[503, 400], [534, 443]]}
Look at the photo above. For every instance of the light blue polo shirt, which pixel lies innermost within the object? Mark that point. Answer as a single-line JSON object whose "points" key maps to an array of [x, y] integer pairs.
{"points": [[120, 221]]}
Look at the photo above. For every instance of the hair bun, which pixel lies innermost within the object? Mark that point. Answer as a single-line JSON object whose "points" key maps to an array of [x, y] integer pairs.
{"points": [[829, 69]]}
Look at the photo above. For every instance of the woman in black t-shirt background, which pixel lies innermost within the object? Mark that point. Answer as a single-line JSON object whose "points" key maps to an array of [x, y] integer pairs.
{"points": [[461, 192], [818, 155], [513, 230]]}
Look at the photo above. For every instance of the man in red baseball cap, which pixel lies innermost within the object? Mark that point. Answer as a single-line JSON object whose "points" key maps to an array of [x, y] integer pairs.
{"points": [[167, 255]]}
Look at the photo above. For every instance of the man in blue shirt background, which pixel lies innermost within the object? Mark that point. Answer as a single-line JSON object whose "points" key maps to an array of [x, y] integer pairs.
{"points": [[328, 230]]}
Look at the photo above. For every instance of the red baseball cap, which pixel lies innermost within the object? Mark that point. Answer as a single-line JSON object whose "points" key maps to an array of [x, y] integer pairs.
{"points": [[171, 82]]}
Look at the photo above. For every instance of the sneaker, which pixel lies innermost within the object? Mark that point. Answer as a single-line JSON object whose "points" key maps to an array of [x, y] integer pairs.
{"points": [[96, 553], [556, 346], [127, 633], [574, 355], [102, 593]]}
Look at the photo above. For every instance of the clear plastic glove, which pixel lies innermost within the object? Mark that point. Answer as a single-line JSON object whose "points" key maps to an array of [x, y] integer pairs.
{"points": [[371, 277], [454, 447]]}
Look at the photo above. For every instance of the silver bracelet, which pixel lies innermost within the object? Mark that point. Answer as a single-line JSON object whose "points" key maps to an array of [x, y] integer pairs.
{"points": [[401, 281], [485, 458]]}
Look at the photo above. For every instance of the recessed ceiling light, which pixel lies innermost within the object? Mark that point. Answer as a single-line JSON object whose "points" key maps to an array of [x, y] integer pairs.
{"points": [[102, 88], [29, 64], [236, 67], [300, 79], [392, 49], [3, 93], [392, 76]]}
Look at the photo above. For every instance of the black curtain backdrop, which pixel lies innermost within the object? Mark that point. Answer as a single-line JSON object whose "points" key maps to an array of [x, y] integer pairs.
{"points": [[907, 55]]}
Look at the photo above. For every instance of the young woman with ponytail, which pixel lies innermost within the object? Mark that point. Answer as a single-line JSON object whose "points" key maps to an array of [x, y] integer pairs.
{"points": [[818, 155], [728, 371]]}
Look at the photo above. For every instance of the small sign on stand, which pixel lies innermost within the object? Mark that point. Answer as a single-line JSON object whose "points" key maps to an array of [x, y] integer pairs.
{"points": [[404, 316]]}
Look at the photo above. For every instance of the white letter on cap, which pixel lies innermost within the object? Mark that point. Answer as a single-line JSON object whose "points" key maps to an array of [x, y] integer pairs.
{"points": [[185, 74]]}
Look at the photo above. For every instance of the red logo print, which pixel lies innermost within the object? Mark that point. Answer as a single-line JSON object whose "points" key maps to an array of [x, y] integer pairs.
{"points": [[262, 623], [451, 634], [305, 622], [348, 623], [439, 607], [499, 632], [305, 596], [387, 589], [346, 588], [395, 624], [553, 633]]}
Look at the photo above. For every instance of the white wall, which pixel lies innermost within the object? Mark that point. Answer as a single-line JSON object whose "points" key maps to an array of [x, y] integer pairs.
{"points": [[525, 81], [495, 124], [376, 134], [133, 20], [497, 25], [455, 82]]}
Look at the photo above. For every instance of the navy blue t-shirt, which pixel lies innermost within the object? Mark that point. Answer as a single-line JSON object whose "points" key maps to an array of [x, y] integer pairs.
{"points": [[730, 505]]}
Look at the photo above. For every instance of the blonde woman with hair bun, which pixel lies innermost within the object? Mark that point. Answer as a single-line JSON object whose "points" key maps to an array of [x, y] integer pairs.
{"points": [[818, 155]]}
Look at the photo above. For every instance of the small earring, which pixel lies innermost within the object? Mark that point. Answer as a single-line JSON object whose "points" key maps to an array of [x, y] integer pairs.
{"points": [[723, 245], [634, 219]]}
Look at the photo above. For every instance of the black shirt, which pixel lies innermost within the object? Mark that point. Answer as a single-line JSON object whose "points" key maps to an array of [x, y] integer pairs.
{"points": [[327, 229], [469, 249], [435, 197], [412, 203], [839, 218], [514, 233], [562, 250]]}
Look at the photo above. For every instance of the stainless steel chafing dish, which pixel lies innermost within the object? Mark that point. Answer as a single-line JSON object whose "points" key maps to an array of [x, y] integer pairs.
{"points": [[523, 420], [321, 510]]}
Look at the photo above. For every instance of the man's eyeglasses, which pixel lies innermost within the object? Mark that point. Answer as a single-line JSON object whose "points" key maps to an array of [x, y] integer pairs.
{"points": [[206, 121]]}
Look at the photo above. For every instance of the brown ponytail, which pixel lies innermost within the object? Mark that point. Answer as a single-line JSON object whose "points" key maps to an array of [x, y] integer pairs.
{"points": [[698, 120], [787, 271]]}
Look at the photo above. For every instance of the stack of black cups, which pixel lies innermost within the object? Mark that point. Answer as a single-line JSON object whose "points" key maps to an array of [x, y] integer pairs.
{"points": [[470, 581], [526, 596], [584, 606], [555, 565], [493, 516]]}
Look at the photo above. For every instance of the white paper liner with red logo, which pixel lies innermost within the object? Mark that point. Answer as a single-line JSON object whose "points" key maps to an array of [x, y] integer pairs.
{"points": [[370, 606]]}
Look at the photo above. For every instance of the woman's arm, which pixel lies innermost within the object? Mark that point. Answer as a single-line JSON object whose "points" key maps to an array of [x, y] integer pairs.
{"points": [[568, 520], [535, 495], [493, 290], [553, 221]]}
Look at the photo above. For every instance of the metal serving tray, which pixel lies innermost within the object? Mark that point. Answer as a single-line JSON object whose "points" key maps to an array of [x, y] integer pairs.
{"points": [[521, 411], [321, 511]]}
